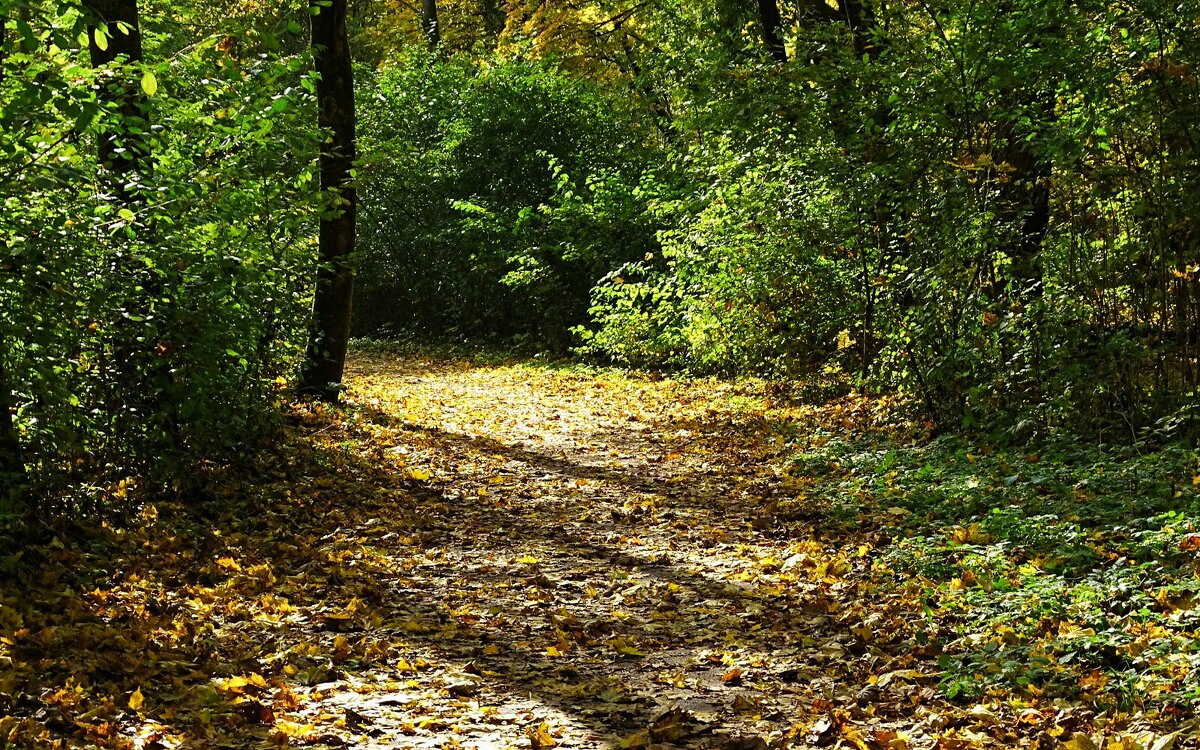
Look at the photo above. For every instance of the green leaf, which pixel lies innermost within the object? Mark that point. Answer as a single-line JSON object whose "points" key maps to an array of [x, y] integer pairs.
{"points": [[149, 83], [101, 38], [126, 214]]}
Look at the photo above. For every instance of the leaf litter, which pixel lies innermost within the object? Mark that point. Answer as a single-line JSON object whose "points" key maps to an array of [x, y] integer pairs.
{"points": [[507, 556]]}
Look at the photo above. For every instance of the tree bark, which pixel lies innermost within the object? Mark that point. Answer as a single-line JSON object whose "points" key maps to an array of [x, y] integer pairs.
{"points": [[12, 462], [3, 43], [325, 359], [429, 23], [123, 152], [772, 28], [859, 19], [1025, 201], [493, 18], [1025, 194]]}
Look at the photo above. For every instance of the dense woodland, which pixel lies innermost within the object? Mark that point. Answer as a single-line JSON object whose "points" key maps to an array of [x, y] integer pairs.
{"points": [[985, 207], [873, 323]]}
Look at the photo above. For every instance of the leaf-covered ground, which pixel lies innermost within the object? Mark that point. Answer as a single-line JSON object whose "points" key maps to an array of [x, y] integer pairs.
{"points": [[510, 556]]}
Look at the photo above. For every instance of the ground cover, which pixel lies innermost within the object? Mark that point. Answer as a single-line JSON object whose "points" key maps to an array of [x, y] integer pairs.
{"points": [[510, 555]]}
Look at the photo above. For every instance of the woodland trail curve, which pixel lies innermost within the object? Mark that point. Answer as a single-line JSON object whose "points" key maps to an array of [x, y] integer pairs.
{"points": [[598, 566], [491, 556]]}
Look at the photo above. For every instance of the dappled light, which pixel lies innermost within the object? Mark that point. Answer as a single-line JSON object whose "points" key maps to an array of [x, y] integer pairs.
{"points": [[599, 374], [520, 556]]}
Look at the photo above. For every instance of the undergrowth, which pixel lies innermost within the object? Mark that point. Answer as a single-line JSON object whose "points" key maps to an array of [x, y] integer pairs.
{"points": [[1057, 568]]}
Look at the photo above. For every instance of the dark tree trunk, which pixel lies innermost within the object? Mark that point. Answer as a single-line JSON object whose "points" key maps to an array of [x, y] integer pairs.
{"points": [[3, 41], [772, 29], [493, 18], [12, 462], [123, 152], [429, 22], [1024, 193], [859, 18], [1025, 200], [119, 19], [643, 87], [326, 356]]}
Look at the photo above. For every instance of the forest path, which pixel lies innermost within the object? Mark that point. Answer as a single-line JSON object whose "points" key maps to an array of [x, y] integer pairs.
{"points": [[597, 563], [473, 556]]}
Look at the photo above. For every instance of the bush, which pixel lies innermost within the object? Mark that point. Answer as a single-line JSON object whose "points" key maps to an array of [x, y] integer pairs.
{"points": [[143, 334], [497, 196]]}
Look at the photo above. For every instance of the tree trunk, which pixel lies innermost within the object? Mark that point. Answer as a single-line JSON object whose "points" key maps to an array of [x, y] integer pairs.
{"points": [[859, 19], [1024, 194], [123, 152], [493, 18], [326, 356], [3, 41], [12, 462], [1025, 200], [429, 22], [772, 28]]}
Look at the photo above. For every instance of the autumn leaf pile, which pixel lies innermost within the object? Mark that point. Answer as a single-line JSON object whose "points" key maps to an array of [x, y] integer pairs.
{"points": [[471, 556]]}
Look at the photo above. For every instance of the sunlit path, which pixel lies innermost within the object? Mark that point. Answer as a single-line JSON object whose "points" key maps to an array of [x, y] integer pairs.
{"points": [[514, 556]]}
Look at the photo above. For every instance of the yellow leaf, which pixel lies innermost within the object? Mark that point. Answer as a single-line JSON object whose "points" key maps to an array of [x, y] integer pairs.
{"points": [[770, 563], [541, 737], [137, 700], [420, 475], [285, 730], [1080, 741], [528, 560], [404, 667], [235, 685], [149, 83], [973, 534]]}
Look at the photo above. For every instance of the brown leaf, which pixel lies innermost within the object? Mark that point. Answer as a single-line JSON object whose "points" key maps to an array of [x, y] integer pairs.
{"points": [[256, 713]]}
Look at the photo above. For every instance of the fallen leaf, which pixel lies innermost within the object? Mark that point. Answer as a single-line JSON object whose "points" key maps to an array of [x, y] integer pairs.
{"points": [[1080, 741], [540, 736]]}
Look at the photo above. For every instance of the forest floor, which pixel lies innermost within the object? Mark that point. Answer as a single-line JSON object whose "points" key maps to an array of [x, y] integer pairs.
{"points": [[514, 556]]}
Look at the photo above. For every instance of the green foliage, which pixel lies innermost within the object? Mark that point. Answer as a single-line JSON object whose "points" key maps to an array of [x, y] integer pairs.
{"points": [[983, 206], [1064, 569], [987, 210], [748, 284], [495, 197], [144, 333]]}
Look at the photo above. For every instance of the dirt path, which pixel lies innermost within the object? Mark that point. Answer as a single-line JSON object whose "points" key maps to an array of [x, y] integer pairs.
{"points": [[516, 557], [598, 566], [471, 557]]}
